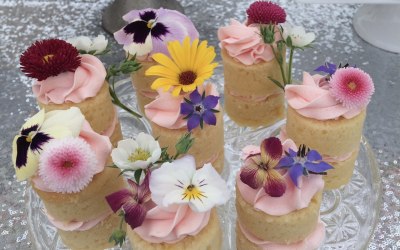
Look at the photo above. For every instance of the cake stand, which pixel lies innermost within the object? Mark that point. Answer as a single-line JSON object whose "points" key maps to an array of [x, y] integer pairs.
{"points": [[350, 212]]}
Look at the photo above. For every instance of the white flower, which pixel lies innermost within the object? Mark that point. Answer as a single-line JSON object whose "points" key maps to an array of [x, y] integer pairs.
{"points": [[297, 34], [180, 183], [139, 154], [140, 49], [84, 43]]}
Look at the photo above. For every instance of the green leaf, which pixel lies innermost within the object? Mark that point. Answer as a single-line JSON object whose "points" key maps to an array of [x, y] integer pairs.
{"points": [[289, 42], [201, 123], [118, 237], [138, 173], [214, 110], [276, 82], [184, 144], [187, 100]]}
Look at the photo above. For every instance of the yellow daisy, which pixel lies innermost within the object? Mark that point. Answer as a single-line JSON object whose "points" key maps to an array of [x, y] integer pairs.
{"points": [[189, 66]]}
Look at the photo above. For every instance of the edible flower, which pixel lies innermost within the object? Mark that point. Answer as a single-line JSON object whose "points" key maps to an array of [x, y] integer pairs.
{"points": [[352, 87], [199, 108], [189, 66], [179, 182], [131, 201], [297, 35], [259, 169], [136, 154], [67, 165], [265, 12], [303, 162], [329, 68], [47, 58], [85, 45]]}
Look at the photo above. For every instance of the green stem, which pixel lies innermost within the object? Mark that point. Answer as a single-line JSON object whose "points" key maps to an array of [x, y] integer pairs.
{"points": [[121, 222], [280, 65], [290, 65]]}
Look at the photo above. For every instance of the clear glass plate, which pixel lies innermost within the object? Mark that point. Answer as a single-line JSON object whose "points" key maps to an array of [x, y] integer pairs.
{"points": [[350, 212]]}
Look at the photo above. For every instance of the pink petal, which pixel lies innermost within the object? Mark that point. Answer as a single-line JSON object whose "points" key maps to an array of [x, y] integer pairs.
{"points": [[275, 184], [251, 174]]}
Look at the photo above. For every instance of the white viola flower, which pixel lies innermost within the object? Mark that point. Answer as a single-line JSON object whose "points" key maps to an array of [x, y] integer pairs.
{"points": [[84, 43], [297, 34], [179, 182], [136, 154]]}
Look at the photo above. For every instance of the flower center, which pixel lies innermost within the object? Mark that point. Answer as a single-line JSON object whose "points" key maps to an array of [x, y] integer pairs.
{"points": [[187, 77], [199, 109], [46, 58], [139, 155], [30, 136], [67, 164], [352, 86], [151, 23], [192, 192]]}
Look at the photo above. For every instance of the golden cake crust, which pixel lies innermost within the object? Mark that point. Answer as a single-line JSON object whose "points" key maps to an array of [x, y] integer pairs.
{"points": [[209, 238], [93, 239], [141, 82], [99, 110], [87, 204], [286, 229], [331, 137], [208, 142]]}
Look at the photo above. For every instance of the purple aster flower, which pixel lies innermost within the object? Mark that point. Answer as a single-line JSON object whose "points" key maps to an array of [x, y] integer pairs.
{"points": [[199, 109], [303, 162], [132, 201], [149, 30]]}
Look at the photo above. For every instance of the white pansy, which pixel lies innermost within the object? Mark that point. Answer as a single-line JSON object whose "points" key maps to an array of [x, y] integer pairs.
{"points": [[179, 182], [84, 43], [136, 154], [297, 34]]}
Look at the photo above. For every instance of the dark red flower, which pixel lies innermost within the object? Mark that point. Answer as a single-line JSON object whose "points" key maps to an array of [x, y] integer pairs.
{"points": [[263, 12], [49, 58]]}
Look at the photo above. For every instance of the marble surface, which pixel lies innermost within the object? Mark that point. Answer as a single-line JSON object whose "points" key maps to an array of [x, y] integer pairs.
{"points": [[22, 22]]}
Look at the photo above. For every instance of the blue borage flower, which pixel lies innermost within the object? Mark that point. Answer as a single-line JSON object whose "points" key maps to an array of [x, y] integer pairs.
{"points": [[303, 162], [199, 109], [330, 68]]}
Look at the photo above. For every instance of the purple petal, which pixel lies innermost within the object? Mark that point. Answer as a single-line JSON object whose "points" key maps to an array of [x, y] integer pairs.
{"points": [[285, 162], [159, 30], [318, 167], [210, 101], [22, 152], [139, 30], [193, 122], [186, 108], [26, 131], [195, 97], [209, 118], [292, 153], [143, 192], [38, 140], [134, 214], [274, 185], [295, 172], [119, 198], [313, 155], [251, 174], [147, 15], [271, 149]]}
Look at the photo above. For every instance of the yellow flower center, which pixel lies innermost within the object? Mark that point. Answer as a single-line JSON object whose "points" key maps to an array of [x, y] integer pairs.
{"points": [[46, 58], [150, 24], [139, 155], [192, 192], [352, 86], [30, 136], [187, 77], [68, 164]]}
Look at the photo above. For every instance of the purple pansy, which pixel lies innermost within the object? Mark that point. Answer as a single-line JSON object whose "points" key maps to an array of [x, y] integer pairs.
{"points": [[199, 109], [132, 201], [303, 162], [149, 30], [30, 139]]}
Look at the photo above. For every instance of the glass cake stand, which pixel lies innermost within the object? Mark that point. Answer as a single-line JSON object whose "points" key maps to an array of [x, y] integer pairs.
{"points": [[350, 213]]}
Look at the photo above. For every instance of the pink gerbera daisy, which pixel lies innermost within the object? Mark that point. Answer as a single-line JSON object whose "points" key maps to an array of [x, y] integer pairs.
{"points": [[352, 87], [67, 165]]}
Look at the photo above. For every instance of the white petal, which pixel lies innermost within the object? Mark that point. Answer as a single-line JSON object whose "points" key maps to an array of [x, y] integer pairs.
{"points": [[72, 119], [140, 49], [174, 197], [140, 164], [37, 119], [143, 140], [99, 44], [287, 29], [120, 157], [81, 42], [155, 155], [129, 145]]}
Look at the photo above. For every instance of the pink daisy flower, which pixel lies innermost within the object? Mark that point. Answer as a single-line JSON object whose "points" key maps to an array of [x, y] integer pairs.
{"points": [[352, 87], [67, 165]]}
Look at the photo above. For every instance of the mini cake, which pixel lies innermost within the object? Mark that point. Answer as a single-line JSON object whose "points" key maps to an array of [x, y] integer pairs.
{"points": [[66, 162], [185, 103], [277, 207], [65, 79], [148, 32], [328, 114], [173, 207], [251, 97]]}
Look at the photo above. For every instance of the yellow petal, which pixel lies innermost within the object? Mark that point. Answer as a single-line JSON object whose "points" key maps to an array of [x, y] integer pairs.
{"points": [[193, 52], [162, 71], [165, 61], [206, 70], [186, 53], [176, 52], [189, 88], [37, 119], [176, 91], [30, 169], [160, 82]]}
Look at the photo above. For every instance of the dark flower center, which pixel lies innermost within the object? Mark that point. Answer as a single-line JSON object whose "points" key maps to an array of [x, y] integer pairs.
{"points": [[68, 164], [190, 187], [187, 77], [199, 108]]}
